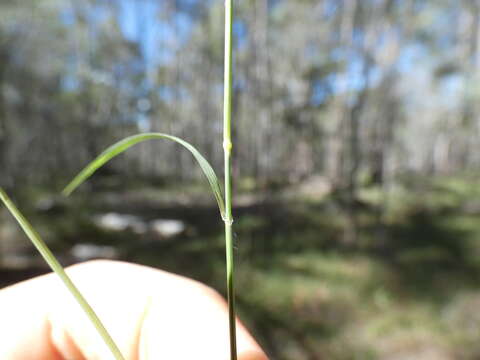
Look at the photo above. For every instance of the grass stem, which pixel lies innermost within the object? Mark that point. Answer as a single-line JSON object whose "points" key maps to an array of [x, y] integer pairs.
{"points": [[227, 146]]}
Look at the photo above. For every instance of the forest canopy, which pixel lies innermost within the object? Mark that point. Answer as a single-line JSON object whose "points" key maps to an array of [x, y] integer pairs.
{"points": [[353, 90]]}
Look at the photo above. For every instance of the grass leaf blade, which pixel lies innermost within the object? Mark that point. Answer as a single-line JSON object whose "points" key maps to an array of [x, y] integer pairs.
{"points": [[121, 146], [58, 269]]}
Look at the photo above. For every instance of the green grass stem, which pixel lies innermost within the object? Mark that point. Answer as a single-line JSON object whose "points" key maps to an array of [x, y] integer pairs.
{"points": [[58, 269], [227, 146]]}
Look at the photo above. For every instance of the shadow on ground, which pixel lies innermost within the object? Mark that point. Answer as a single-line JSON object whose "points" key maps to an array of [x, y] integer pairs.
{"points": [[305, 291]]}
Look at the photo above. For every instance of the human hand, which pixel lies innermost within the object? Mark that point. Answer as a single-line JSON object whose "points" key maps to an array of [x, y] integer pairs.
{"points": [[151, 314]]}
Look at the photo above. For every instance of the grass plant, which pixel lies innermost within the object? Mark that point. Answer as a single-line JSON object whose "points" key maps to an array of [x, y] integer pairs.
{"points": [[224, 204]]}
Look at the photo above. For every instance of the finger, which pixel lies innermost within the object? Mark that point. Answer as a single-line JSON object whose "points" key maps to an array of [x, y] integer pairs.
{"points": [[199, 330], [24, 327], [179, 318], [150, 314], [40, 319]]}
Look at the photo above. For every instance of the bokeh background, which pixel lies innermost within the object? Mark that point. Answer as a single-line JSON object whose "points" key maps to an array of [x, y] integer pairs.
{"points": [[356, 159]]}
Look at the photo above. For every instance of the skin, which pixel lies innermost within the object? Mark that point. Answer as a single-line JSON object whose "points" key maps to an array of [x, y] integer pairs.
{"points": [[150, 313]]}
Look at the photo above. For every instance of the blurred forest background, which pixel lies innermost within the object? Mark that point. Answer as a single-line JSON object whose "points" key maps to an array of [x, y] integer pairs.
{"points": [[356, 159]]}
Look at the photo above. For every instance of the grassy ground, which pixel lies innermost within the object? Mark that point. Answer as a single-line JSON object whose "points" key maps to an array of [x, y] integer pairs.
{"points": [[406, 288]]}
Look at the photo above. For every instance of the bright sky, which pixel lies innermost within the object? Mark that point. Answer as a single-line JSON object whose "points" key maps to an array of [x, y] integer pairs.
{"points": [[142, 21]]}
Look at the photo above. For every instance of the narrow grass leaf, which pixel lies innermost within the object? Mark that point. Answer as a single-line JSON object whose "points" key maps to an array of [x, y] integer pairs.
{"points": [[121, 146], [58, 269]]}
